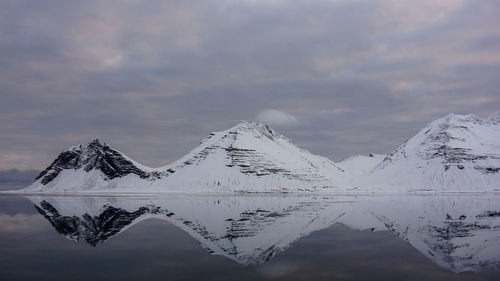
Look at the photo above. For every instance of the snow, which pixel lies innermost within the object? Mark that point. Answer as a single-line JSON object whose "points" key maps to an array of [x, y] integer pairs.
{"points": [[361, 165], [456, 153], [451, 154]]}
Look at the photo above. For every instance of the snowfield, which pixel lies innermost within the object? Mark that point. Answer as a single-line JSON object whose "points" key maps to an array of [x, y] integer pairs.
{"points": [[457, 153]]}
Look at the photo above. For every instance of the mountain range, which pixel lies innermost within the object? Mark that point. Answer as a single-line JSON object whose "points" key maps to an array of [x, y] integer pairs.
{"points": [[456, 153]]}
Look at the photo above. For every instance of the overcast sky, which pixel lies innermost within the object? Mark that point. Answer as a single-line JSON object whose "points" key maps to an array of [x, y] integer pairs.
{"points": [[153, 78]]}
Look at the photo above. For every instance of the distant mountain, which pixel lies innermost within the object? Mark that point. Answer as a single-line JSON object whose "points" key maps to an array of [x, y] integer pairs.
{"points": [[457, 153], [249, 157], [18, 176], [454, 153]]}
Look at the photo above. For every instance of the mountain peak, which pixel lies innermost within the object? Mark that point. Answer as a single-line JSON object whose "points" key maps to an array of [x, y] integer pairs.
{"points": [[95, 142], [255, 127], [243, 130], [453, 118]]}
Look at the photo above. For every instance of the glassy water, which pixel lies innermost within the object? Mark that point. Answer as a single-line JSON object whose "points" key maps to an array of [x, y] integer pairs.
{"points": [[442, 237]]}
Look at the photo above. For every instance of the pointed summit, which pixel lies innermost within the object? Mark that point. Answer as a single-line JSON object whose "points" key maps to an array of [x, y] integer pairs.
{"points": [[256, 128], [248, 129], [95, 142]]}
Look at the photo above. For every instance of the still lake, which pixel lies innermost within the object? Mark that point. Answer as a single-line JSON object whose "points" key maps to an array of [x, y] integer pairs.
{"points": [[250, 237]]}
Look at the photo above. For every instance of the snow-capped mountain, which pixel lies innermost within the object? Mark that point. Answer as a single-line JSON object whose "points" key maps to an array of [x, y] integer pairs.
{"points": [[460, 233], [457, 153], [253, 157], [454, 153], [92, 167], [249, 157]]}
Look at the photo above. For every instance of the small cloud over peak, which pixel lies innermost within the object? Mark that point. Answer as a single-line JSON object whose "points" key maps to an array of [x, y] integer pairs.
{"points": [[276, 118]]}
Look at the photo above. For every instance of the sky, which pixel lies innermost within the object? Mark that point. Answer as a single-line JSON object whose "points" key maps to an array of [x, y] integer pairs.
{"points": [[153, 78]]}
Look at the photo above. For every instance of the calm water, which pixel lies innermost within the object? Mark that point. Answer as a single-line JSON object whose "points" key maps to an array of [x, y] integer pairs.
{"points": [[250, 238]]}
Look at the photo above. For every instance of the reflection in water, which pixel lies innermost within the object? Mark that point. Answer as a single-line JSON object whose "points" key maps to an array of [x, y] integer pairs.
{"points": [[461, 233]]}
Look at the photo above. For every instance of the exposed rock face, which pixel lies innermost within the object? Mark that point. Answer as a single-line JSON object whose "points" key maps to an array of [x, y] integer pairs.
{"points": [[94, 156]]}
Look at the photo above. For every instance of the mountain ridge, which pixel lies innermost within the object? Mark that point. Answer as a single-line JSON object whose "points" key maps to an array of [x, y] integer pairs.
{"points": [[455, 153], [247, 157]]}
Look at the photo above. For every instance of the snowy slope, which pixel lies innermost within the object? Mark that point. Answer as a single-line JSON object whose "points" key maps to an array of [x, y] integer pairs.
{"points": [[359, 166], [454, 153], [250, 157]]}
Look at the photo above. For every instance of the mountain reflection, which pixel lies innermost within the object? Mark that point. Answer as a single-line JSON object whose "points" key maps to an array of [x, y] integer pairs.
{"points": [[461, 233]]}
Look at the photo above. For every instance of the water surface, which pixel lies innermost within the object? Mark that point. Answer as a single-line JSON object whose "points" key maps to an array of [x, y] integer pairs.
{"points": [[439, 237]]}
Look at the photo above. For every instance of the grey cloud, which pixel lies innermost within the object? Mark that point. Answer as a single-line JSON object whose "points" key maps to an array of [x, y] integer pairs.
{"points": [[276, 117], [154, 78]]}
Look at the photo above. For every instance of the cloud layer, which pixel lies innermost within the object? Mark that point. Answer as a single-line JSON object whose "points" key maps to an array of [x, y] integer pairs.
{"points": [[276, 118], [153, 78]]}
